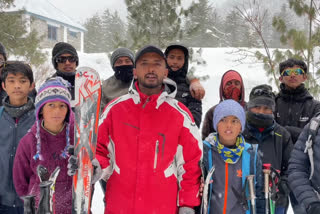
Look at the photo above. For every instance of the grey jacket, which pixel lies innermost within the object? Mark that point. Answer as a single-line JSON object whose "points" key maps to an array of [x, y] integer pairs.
{"points": [[11, 131], [111, 89]]}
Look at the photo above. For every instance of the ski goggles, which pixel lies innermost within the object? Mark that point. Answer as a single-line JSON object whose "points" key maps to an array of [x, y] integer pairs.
{"points": [[295, 71], [63, 59], [262, 92]]}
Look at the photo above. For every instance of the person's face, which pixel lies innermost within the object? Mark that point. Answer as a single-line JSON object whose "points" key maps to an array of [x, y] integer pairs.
{"points": [[294, 80], [234, 83], [176, 59], [261, 110], [229, 128], [150, 71], [17, 87], [67, 65], [123, 60], [54, 114]]}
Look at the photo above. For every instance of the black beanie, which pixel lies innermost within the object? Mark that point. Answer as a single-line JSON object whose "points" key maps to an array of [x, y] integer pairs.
{"points": [[63, 48], [120, 52], [148, 49], [3, 51], [262, 95]]}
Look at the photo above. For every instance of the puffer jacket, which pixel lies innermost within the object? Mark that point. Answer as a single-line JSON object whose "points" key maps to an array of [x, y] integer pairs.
{"points": [[150, 150], [207, 126], [25, 175], [294, 109], [306, 190], [11, 131], [225, 192]]}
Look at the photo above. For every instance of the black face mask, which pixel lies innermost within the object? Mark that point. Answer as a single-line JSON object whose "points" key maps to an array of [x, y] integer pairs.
{"points": [[260, 120], [124, 73]]}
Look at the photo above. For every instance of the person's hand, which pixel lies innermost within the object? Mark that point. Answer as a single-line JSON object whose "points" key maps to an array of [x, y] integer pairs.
{"points": [[97, 172], [314, 208], [201, 186], [186, 210], [196, 89], [72, 165]]}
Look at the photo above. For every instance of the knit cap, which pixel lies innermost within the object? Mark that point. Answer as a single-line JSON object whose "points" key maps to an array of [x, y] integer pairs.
{"points": [[121, 52], [262, 95], [63, 48], [54, 89], [3, 51], [229, 108]]}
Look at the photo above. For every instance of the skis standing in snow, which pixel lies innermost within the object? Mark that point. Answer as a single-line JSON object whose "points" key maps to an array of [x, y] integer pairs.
{"points": [[238, 169], [46, 144]]}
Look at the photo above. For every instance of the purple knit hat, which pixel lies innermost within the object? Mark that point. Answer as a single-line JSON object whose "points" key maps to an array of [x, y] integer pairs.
{"points": [[54, 89]]}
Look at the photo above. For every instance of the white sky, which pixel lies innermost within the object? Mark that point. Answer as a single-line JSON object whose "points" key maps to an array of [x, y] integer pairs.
{"points": [[80, 10]]}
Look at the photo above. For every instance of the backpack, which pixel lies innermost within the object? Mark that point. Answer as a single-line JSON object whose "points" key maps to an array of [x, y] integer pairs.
{"points": [[312, 132]]}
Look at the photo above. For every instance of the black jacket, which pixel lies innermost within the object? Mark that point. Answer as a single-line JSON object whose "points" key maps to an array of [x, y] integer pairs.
{"points": [[275, 146], [294, 109], [304, 189]]}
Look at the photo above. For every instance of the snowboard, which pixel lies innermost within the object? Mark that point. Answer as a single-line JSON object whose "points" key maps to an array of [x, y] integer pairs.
{"points": [[87, 107]]}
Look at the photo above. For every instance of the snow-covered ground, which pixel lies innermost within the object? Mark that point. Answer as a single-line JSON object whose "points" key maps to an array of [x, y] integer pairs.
{"points": [[219, 60]]}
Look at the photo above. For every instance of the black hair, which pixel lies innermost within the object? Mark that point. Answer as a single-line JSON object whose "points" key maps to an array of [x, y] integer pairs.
{"points": [[291, 63], [14, 67]]}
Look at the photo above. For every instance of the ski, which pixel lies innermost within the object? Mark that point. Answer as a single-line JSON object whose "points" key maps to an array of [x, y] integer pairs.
{"points": [[87, 106], [252, 195], [266, 173]]}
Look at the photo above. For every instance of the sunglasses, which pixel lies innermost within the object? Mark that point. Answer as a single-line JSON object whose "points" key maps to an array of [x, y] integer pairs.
{"points": [[63, 59], [289, 72]]}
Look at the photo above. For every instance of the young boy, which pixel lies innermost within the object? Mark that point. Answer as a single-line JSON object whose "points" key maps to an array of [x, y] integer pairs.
{"points": [[177, 58], [231, 87], [274, 141], [295, 106], [16, 118], [232, 160]]}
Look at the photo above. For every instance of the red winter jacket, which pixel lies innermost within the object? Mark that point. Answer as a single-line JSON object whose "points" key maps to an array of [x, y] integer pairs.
{"points": [[149, 149]]}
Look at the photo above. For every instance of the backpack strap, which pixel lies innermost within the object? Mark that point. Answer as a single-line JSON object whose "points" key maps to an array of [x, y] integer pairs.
{"points": [[209, 168], [312, 132]]}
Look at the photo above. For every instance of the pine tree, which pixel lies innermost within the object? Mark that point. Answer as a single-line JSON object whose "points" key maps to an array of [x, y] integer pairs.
{"points": [[104, 32], [201, 27], [233, 28], [15, 37], [157, 22]]}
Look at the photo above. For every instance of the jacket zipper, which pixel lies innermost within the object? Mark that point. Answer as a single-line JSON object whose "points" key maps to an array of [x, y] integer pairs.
{"points": [[147, 100], [156, 155]]}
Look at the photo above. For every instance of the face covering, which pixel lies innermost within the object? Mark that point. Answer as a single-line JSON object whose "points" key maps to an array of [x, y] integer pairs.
{"points": [[260, 120], [232, 92], [124, 73]]}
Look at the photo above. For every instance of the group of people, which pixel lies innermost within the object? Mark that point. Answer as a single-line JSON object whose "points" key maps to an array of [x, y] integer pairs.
{"points": [[149, 147]]}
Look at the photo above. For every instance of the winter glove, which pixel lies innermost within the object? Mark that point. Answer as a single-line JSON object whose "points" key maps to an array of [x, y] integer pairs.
{"points": [[232, 92], [196, 89], [314, 208], [72, 165], [186, 210], [97, 172]]}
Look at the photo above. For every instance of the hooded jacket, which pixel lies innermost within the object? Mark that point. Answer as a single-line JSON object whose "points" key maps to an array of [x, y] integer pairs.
{"points": [[207, 126], [149, 149], [294, 109], [183, 91], [25, 177]]}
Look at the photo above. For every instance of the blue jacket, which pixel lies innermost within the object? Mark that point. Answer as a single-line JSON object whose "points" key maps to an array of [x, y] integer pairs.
{"points": [[229, 181], [11, 131]]}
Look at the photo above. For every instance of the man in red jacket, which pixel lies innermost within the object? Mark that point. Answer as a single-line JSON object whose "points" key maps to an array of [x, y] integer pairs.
{"points": [[149, 146]]}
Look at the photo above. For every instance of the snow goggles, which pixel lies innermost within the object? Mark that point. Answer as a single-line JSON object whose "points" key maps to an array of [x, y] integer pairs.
{"points": [[63, 59], [289, 72], [262, 92]]}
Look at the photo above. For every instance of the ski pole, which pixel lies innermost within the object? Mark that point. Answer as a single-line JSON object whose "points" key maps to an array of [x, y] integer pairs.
{"points": [[266, 172], [252, 196], [44, 203], [29, 204]]}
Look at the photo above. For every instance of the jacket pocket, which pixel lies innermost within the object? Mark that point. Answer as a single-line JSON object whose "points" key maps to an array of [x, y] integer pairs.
{"points": [[156, 153]]}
